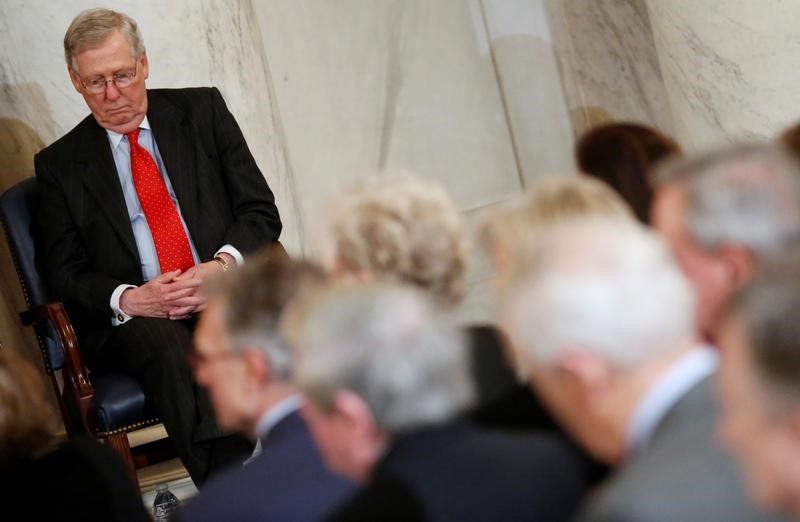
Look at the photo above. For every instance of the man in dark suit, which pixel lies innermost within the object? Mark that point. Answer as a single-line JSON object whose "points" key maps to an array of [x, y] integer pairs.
{"points": [[603, 323], [243, 361], [140, 203], [386, 376]]}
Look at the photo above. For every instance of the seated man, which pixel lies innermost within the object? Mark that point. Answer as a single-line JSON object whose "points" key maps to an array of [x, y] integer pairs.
{"points": [[242, 359], [141, 202], [385, 375], [760, 386], [603, 324]]}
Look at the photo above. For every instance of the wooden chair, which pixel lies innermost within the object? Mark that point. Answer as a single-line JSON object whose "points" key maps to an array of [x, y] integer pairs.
{"points": [[106, 406]]}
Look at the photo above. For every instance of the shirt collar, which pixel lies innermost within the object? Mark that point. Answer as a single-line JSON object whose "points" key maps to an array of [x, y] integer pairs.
{"points": [[114, 138], [687, 371], [277, 413]]}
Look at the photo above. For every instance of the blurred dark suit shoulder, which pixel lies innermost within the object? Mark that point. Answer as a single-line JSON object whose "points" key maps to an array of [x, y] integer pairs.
{"points": [[287, 481], [459, 472]]}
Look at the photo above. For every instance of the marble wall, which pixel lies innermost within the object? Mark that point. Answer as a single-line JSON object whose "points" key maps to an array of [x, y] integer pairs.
{"points": [[524, 57], [731, 67], [464, 92], [609, 64]]}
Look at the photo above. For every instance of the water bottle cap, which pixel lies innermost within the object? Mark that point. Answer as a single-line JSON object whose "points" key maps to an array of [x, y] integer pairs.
{"points": [[161, 487]]}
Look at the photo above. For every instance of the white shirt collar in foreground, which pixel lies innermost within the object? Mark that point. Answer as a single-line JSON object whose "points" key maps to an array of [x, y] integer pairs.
{"points": [[689, 370], [115, 137]]}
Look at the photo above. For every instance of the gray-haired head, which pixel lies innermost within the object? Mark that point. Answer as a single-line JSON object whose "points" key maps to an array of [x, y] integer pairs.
{"points": [[747, 195], [256, 296], [93, 26], [606, 286], [769, 308], [399, 228], [389, 345]]}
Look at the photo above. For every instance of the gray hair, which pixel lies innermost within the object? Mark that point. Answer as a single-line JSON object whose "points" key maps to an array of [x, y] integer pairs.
{"points": [[389, 345], [769, 308], [93, 26], [747, 195], [604, 285], [517, 225], [255, 297], [403, 229]]}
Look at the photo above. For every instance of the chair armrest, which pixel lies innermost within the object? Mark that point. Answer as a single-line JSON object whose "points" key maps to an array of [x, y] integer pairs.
{"points": [[76, 369]]}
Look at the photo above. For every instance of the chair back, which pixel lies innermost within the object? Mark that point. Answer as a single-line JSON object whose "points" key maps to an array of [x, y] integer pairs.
{"points": [[17, 205]]}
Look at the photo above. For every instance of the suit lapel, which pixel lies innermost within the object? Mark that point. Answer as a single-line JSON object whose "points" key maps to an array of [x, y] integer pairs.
{"points": [[175, 142], [102, 181]]}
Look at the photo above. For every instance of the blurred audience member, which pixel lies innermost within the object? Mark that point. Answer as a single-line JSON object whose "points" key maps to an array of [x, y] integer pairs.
{"points": [[408, 230], [386, 375], [724, 213], [42, 479], [398, 228], [622, 155], [604, 326], [760, 386], [245, 364], [509, 232], [789, 139]]}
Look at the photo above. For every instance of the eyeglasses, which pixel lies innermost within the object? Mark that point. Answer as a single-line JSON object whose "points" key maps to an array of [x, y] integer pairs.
{"points": [[122, 80]]}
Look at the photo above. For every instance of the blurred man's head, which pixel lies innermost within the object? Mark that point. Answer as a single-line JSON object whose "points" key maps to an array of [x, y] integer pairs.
{"points": [[722, 214], [375, 361], [240, 355], [760, 385], [511, 230], [601, 312]]}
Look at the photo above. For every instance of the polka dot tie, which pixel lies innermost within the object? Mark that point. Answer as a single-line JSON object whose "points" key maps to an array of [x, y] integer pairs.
{"points": [[169, 236]]}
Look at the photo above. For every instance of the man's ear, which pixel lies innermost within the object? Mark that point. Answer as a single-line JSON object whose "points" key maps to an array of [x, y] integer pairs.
{"points": [[355, 413], [257, 365], [793, 425], [587, 373], [740, 264], [75, 79], [145, 69]]}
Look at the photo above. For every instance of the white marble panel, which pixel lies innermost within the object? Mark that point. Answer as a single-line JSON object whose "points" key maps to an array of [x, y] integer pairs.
{"points": [[366, 86], [731, 67], [609, 65], [528, 75]]}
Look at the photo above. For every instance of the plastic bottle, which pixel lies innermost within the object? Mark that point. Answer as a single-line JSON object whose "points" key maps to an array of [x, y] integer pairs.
{"points": [[165, 504]]}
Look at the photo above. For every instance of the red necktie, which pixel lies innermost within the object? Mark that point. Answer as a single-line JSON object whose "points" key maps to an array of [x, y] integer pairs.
{"points": [[172, 245]]}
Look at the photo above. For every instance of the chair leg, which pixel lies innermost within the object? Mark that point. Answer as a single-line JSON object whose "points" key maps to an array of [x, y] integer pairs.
{"points": [[119, 443]]}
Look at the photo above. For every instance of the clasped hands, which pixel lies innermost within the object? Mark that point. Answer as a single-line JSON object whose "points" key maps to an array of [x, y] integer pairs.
{"points": [[172, 295]]}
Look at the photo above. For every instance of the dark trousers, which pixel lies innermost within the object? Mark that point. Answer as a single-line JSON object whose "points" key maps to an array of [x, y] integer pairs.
{"points": [[155, 352]]}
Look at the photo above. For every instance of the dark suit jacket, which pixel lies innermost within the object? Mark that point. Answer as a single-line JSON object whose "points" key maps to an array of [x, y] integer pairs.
{"points": [[503, 402], [87, 240], [681, 474], [81, 480], [288, 481], [462, 473]]}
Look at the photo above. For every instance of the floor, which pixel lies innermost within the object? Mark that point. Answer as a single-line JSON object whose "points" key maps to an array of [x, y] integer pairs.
{"points": [[170, 472]]}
